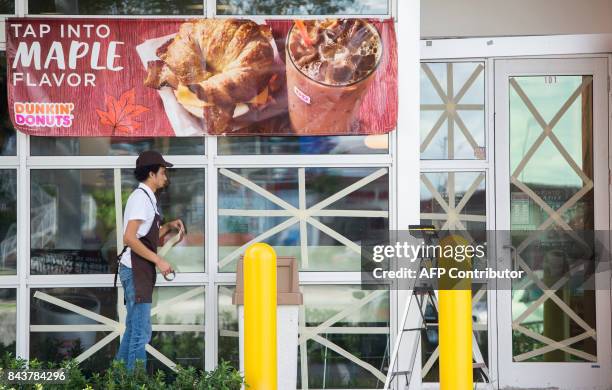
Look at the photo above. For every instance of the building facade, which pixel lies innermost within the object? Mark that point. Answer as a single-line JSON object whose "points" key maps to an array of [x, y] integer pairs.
{"points": [[493, 134]]}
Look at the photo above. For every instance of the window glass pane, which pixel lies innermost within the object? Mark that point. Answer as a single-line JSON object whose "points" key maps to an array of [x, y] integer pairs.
{"points": [[227, 334], [7, 7], [8, 320], [184, 199], [338, 207], [107, 146], [463, 193], [8, 221], [456, 201], [57, 332], [452, 111], [178, 326], [8, 137], [302, 7], [116, 7], [552, 203], [361, 328], [72, 214], [369, 144]]}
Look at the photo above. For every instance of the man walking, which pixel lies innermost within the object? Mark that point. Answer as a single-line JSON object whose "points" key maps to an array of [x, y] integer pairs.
{"points": [[141, 234]]}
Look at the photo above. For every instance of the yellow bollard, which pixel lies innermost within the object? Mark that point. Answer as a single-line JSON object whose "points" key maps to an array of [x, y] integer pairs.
{"points": [[455, 323], [260, 360]]}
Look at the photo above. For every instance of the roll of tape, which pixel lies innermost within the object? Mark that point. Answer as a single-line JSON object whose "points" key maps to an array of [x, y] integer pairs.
{"points": [[165, 249]]}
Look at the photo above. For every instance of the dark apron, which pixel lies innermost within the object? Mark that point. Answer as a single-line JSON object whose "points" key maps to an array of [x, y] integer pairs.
{"points": [[143, 271]]}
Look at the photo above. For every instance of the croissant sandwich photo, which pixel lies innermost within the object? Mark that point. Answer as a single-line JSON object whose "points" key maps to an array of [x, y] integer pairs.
{"points": [[218, 69]]}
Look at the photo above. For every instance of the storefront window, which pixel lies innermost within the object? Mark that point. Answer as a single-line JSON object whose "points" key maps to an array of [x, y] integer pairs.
{"points": [[452, 111], [8, 137], [106, 146], [317, 215], [454, 200], [7, 7], [303, 7], [184, 199], [8, 221], [344, 336], [8, 320], [72, 214], [178, 327], [369, 144], [116, 7], [67, 322]]}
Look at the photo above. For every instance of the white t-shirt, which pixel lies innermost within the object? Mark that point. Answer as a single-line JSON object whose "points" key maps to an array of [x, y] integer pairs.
{"points": [[138, 207]]}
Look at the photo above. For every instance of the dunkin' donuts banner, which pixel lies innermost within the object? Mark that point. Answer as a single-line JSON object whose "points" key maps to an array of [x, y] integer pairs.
{"points": [[190, 77]]}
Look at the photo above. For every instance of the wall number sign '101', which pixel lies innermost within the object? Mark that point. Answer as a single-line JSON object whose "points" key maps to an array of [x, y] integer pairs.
{"points": [[550, 79]]}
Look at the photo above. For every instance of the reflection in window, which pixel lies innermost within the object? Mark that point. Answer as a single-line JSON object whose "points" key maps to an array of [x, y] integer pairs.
{"points": [[71, 323], [116, 7], [318, 215], [369, 144], [178, 327], [551, 208], [7, 7], [454, 200], [72, 228], [452, 111], [351, 352], [8, 320], [8, 221], [58, 332], [8, 137], [115, 146], [302, 7], [184, 199]]}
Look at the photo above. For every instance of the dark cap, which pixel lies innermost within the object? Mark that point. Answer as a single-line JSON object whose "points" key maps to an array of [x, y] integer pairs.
{"points": [[151, 157]]}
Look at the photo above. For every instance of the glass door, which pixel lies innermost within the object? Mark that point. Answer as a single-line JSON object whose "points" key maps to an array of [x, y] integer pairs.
{"points": [[552, 207]]}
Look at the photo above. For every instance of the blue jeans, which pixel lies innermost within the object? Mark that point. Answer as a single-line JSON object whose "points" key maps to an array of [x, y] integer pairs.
{"points": [[137, 323]]}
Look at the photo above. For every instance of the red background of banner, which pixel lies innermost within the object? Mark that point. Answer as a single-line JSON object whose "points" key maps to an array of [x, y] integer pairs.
{"points": [[378, 112]]}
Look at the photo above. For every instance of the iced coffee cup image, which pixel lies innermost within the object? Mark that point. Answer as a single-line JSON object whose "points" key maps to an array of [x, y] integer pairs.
{"points": [[330, 64]]}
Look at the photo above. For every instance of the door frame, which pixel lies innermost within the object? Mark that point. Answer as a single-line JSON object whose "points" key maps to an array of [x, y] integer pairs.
{"points": [[559, 374]]}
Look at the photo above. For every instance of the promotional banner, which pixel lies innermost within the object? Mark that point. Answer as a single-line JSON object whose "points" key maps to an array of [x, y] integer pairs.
{"points": [[190, 77]]}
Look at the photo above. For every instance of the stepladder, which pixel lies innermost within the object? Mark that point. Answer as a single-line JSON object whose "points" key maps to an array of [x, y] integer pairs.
{"points": [[419, 314]]}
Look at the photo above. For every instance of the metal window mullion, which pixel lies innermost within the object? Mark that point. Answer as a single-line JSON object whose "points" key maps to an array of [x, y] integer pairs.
{"points": [[110, 16], [394, 178], [453, 165], [260, 18], [84, 162], [302, 160], [9, 281], [21, 7], [9, 162], [210, 8], [106, 280], [23, 248], [330, 278], [211, 298]]}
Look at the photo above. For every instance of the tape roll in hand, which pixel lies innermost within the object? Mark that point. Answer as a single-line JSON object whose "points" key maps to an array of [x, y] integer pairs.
{"points": [[165, 249]]}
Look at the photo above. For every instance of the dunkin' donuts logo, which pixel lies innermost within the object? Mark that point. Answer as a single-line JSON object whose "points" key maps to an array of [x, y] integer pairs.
{"points": [[44, 114], [303, 97]]}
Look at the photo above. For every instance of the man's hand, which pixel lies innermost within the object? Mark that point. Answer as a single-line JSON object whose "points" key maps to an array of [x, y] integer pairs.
{"points": [[164, 266], [177, 224]]}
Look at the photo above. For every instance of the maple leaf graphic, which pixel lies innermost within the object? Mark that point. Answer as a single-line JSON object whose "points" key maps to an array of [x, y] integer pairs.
{"points": [[121, 112]]}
